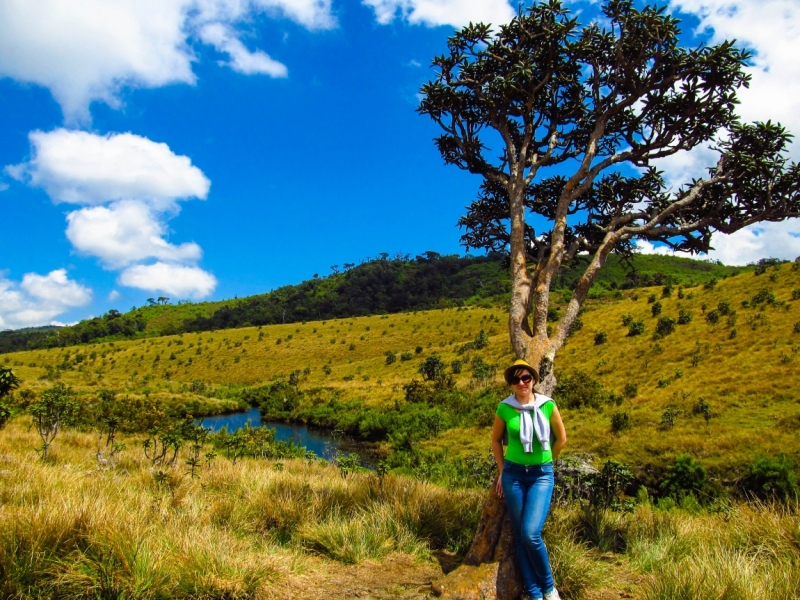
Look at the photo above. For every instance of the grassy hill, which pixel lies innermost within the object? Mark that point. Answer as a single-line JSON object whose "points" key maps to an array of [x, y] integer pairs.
{"points": [[380, 286], [741, 364]]}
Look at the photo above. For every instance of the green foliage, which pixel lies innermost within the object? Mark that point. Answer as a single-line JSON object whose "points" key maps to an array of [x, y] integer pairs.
{"points": [[620, 421], [434, 369], [685, 476], [53, 409], [607, 486], [405, 356], [713, 317], [684, 317], [669, 416], [771, 478], [8, 383], [627, 320], [656, 309], [600, 338], [577, 389], [724, 307], [631, 390], [651, 298], [702, 407], [391, 357], [636, 328], [456, 367], [665, 326]]}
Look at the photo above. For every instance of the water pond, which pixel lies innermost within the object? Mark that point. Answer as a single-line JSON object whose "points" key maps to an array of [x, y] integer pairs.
{"points": [[318, 441]]}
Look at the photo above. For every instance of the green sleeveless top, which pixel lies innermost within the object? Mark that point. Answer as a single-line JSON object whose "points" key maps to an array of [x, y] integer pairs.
{"points": [[514, 452]]}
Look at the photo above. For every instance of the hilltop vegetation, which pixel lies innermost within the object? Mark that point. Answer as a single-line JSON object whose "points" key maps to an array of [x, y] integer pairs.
{"points": [[380, 286]]}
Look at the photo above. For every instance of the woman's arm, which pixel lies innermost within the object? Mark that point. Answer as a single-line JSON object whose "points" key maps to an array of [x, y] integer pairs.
{"points": [[557, 427], [497, 449]]}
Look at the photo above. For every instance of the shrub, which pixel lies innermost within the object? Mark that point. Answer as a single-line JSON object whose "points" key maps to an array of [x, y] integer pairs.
{"points": [[576, 325], [651, 298], [600, 338], [481, 340], [764, 296], [702, 407], [326, 369], [455, 367], [631, 390], [636, 328], [669, 416], [656, 309], [433, 368], [665, 326], [724, 307], [54, 408], [797, 327], [404, 356], [418, 350], [391, 357], [710, 284], [771, 479], [796, 293], [577, 389], [666, 292], [627, 320], [481, 370], [713, 317], [620, 421], [553, 314], [686, 476], [684, 317]]}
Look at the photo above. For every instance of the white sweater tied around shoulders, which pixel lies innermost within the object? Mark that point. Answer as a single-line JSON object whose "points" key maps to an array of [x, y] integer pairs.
{"points": [[532, 419]]}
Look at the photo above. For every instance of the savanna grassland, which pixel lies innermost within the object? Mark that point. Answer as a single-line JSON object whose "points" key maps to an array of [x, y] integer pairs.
{"points": [[679, 391]]}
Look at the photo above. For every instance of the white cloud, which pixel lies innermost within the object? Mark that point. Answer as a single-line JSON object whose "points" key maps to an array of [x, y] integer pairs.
{"points": [[88, 50], [85, 168], [176, 280], [39, 298], [763, 240], [124, 233], [433, 13], [131, 186], [114, 295], [3, 186], [242, 60], [771, 29]]}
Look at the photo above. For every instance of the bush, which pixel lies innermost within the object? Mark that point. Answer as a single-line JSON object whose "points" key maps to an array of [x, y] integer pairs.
{"points": [[724, 307], [669, 416], [686, 476], [764, 296], [600, 338], [627, 320], [418, 350], [391, 357], [665, 326], [631, 390], [636, 328], [656, 309], [684, 317], [651, 298], [771, 479], [577, 389], [702, 407], [620, 421], [455, 367], [710, 284], [666, 292], [796, 294], [576, 326], [404, 356], [713, 317], [433, 368]]}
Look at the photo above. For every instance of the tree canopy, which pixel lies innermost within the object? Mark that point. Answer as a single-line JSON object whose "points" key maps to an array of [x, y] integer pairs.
{"points": [[564, 123]]}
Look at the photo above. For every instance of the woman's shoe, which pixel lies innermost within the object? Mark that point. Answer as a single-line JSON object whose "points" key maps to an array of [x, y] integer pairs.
{"points": [[552, 595]]}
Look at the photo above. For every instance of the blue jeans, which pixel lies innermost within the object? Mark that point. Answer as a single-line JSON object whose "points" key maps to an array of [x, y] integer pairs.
{"points": [[528, 491]]}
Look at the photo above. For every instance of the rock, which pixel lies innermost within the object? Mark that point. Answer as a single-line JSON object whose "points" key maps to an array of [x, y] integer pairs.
{"points": [[468, 582]]}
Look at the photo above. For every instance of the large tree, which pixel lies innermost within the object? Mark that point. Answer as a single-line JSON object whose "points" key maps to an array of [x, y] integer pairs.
{"points": [[564, 123]]}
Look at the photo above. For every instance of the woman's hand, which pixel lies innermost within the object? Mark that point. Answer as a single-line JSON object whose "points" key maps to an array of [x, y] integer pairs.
{"points": [[498, 486]]}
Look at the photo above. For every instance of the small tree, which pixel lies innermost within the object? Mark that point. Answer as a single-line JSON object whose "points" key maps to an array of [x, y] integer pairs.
{"points": [[53, 409], [8, 383]]}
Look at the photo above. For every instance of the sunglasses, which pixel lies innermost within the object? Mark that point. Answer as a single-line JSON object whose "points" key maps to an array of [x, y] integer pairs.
{"points": [[516, 380]]}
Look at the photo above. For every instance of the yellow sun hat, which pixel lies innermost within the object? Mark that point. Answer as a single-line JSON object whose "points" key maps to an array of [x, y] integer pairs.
{"points": [[520, 364]]}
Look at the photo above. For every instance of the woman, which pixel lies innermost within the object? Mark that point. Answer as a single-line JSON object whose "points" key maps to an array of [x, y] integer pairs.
{"points": [[526, 472]]}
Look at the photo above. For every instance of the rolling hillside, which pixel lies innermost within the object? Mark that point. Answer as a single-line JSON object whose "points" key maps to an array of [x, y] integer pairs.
{"points": [[734, 344]]}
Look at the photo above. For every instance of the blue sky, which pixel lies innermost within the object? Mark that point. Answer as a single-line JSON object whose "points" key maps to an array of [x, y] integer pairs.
{"points": [[207, 149]]}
